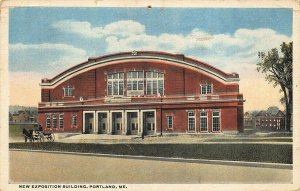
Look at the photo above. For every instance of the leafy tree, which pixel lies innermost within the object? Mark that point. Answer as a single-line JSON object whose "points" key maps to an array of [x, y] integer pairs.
{"points": [[273, 110], [278, 69]]}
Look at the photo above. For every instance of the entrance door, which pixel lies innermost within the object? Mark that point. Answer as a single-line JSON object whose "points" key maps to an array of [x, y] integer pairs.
{"points": [[116, 122], [132, 123], [88, 123], [102, 122], [149, 123]]}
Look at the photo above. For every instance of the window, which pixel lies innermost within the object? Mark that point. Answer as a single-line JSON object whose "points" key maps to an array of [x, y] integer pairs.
{"points": [[216, 123], [115, 84], [191, 121], [74, 120], [68, 91], [61, 121], [135, 83], [206, 88], [54, 121], [154, 83], [48, 120], [203, 121], [170, 122]]}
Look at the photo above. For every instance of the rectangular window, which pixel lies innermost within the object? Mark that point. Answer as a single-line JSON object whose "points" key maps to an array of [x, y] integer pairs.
{"points": [[191, 121], [141, 74], [216, 122], [141, 85], [203, 121], [206, 88], [154, 83], [149, 87], [109, 88], [136, 79], [115, 84], [134, 85], [115, 88], [74, 120], [121, 87], [68, 91], [161, 87], [54, 121], [61, 121], [149, 74], [134, 74], [155, 87], [170, 122], [116, 76], [48, 118]]}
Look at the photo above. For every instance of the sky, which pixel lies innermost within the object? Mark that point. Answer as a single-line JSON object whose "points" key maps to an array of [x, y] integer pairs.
{"points": [[45, 41]]}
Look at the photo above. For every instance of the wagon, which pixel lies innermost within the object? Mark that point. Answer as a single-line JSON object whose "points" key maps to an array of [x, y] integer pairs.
{"points": [[48, 136], [38, 135]]}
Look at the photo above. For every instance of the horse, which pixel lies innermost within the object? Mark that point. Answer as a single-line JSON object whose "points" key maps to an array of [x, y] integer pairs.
{"points": [[27, 135]]}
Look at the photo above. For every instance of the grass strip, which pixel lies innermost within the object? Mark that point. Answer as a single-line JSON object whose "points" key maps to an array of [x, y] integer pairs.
{"points": [[271, 153]]}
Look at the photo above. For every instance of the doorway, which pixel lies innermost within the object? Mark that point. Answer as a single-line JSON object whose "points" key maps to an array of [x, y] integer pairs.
{"points": [[116, 123], [88, 122], [132, 123], [149, 122], [102, 122]]}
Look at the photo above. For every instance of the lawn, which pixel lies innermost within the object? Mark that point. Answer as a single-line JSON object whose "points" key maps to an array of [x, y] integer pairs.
{"points": [[252, 149], [15, 130], [252, 152]]}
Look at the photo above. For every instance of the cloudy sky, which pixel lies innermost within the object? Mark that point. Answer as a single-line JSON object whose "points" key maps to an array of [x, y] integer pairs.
{"points": [[46, 41]]}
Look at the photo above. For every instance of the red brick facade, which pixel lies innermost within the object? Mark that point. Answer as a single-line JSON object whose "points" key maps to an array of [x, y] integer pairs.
{"points": [[165, 85]]}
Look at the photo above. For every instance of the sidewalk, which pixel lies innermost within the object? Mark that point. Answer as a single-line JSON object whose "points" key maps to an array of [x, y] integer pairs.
{"points": [[95, 138], [104, 138]]}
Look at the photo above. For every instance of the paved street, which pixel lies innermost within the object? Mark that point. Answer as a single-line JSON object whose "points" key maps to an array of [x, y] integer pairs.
{"points": [[64, 168]]}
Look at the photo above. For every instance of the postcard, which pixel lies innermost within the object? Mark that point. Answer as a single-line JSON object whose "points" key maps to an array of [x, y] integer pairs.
{"points": [[158, 95]]}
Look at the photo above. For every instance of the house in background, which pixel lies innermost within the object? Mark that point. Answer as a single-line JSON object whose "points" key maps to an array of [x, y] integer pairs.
{"points": [[23, 116], [146, 92], [270, 121]]}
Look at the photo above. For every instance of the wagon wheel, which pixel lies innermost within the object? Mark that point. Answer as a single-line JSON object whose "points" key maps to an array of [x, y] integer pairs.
{"points": [[51, 137]]}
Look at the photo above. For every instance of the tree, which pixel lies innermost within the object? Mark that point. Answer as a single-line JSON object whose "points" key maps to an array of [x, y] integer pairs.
{"points": [[278, 69], [273, 110]]}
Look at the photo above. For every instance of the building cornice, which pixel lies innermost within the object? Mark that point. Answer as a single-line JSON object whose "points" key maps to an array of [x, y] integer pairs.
{"points": [[140, 56], [152, 103]]}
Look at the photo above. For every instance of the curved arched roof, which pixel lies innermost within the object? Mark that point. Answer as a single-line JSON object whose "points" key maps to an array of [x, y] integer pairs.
{"points": [[141, 55]]}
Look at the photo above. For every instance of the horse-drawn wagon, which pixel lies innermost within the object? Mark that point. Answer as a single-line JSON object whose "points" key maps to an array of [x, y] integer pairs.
{"points": [[37, 135]]}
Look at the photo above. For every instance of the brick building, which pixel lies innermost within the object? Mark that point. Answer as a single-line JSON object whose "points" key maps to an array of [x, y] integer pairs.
{"points": [[269, 121], [135, 92]]}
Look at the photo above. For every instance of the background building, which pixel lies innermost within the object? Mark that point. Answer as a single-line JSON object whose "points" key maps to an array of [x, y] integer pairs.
{"points": [[270, 121], [249, 120], [135, 92], [23, 116]]}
